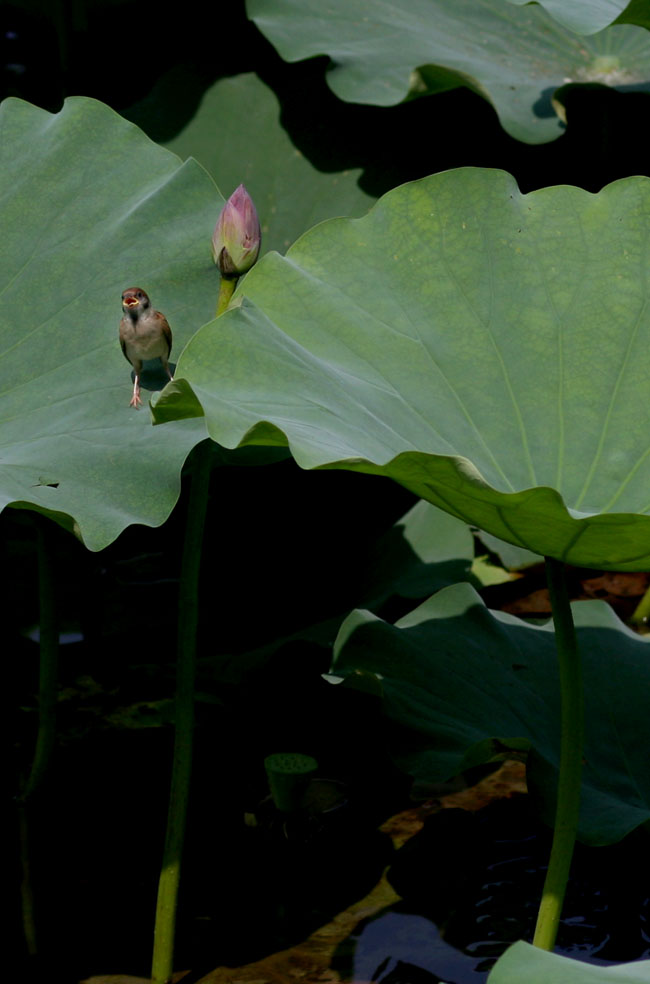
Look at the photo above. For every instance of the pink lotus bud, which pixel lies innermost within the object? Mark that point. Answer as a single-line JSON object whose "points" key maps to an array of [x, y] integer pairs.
{"points": [[236, 238]]}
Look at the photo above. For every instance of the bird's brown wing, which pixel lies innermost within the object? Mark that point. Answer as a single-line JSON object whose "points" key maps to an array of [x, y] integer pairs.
{"points": [[123, 342], [166, 330]]}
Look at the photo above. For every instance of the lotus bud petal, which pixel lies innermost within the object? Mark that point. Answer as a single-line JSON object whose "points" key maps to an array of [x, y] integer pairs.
{"points": [[236, 238]]}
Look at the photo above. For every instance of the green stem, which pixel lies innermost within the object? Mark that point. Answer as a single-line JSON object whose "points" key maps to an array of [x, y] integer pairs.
{"points": [[165, 925], [45, 738], [164, 931], [49, 659], [568, 791], [641, 614], [226, 290]]}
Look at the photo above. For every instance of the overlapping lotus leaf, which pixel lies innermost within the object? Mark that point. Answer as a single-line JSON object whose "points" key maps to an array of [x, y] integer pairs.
{"points": [[515, 56], [424, 551], [582, 16], [290, 194], [468, 685]]}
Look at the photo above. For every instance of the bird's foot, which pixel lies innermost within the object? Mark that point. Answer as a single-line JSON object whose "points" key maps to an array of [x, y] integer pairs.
{"points": [[136, 401]]}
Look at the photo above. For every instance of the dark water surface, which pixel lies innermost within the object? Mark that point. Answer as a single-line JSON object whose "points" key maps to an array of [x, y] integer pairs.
{"points": [[471, 892]]}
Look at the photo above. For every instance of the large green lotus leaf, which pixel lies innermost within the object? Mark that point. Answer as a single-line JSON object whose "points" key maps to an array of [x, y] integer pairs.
{"points": [[91, 206], [514, 56], [524, 962], [486, 349], [583, 16], [289, 193], [467, 684]]}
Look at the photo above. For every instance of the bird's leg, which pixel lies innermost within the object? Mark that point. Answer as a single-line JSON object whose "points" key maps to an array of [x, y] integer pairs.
{"points": [[167, 369], [135, 399]]}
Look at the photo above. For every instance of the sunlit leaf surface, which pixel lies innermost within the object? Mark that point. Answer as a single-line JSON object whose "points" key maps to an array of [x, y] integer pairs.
{"points": [[487, 349]]}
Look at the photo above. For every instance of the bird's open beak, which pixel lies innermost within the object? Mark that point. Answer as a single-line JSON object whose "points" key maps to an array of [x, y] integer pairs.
{"points": [[130, 302]]}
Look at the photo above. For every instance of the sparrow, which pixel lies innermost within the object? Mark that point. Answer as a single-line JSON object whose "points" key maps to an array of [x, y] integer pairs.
{"points": [[144, 334]]}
